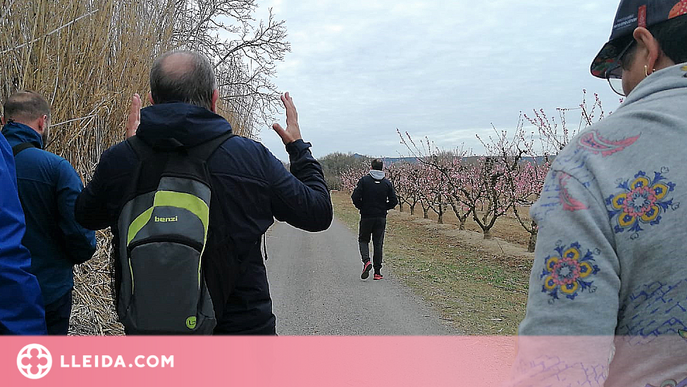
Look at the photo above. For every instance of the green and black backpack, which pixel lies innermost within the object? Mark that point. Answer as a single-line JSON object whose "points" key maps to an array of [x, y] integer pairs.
{"points": [[163, 230]]}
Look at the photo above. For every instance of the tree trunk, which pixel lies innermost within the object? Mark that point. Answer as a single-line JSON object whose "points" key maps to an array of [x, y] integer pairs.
{"points": [[400, 206], [412, 209], [533, 238], [425, 213], [441, 218], [462, 224], [487, 234]]}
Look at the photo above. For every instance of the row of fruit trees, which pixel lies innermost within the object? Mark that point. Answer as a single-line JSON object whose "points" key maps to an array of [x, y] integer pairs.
{"points": [[505, 181]]}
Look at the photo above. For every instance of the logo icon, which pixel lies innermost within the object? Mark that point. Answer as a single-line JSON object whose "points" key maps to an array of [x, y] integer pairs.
{"points": [[34, 361], [191, 322]]}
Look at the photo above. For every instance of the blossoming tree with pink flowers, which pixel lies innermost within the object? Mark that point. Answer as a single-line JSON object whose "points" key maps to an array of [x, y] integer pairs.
{"points": [[405, 178], [478, 184]]}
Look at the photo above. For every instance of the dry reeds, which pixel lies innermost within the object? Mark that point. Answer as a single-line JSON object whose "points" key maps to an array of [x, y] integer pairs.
{"points": [[93, 307], [87, 59]]}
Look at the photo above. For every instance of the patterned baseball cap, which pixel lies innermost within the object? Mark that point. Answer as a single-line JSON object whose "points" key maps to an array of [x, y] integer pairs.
{"points": [[632, 14]]}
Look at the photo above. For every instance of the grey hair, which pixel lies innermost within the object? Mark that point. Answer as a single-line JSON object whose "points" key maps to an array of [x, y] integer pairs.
{"points": [[189, 79]]}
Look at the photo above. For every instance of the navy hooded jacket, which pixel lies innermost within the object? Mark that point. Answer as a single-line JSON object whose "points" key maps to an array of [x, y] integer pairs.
{"points": [[21, 306], [250, 187], [48, 187], [374, 195]]}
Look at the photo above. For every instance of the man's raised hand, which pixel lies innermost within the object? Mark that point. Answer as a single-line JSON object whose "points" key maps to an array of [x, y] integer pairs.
{"points": [[292, 131], [134, 118]]}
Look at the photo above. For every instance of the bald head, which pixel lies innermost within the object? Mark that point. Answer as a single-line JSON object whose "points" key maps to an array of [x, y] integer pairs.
{"points": [[182, 76]]}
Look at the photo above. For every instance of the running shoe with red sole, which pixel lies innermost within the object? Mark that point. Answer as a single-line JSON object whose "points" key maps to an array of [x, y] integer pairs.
{"points": [[366, 270]]}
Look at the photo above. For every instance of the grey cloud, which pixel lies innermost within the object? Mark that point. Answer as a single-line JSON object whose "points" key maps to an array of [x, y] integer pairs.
{"points": [[360, 69]]}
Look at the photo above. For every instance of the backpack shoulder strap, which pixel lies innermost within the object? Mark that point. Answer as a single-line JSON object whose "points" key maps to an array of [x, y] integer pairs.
{"points": [[20, 147], [205, 150], [140, 147]]}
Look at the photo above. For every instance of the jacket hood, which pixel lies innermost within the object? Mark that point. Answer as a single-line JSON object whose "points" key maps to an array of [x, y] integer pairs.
{"points": [[188, 124], [673, 77], [17, 133], [377, 175]]}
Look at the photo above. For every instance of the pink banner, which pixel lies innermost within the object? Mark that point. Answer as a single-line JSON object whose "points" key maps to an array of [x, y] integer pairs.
{"points": [[263, 361]]}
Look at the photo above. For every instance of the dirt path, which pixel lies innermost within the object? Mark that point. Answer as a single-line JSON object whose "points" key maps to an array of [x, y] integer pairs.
{"points": [[316, 289]]}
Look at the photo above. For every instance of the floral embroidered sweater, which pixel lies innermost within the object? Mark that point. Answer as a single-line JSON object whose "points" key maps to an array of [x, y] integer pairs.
{"points": [[607, 301]]}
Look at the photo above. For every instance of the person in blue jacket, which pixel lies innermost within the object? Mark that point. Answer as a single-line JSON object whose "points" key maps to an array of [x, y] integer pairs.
{"points": [[48, 186], [21, 306], [250, 187]]}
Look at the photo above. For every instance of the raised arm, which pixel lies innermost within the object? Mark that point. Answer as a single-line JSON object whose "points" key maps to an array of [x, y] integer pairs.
{"points": [[301, 197]]}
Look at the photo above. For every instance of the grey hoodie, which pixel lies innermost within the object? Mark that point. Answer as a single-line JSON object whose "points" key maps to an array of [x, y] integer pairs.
{"points": [[610, 249], [377, 175]]}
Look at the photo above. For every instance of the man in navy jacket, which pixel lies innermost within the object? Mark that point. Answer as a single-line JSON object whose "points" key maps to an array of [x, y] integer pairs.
{"points": [[48, 187], [250, 187], [21, 306], [373, 196]]}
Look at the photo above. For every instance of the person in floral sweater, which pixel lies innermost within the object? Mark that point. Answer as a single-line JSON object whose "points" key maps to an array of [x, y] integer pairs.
{"points": [[607, 301]]}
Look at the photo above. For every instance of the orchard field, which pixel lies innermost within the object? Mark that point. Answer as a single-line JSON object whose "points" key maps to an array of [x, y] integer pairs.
{"points": [[462, 237], [478, 286]]}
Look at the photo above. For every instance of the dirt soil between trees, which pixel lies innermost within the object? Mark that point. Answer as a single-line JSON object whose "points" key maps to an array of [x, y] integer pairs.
{"points": [[497, 246]]}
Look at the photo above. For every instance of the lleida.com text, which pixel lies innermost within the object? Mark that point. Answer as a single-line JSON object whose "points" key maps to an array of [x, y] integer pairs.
{"points": [[106, 361]]}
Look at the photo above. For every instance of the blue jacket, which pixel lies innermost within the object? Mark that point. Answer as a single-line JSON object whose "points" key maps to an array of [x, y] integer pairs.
{"points": [[250, 187], [48, 187], [21, 306]]}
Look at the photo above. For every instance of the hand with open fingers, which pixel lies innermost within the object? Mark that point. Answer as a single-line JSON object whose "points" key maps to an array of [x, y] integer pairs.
{"points": [[292, 131], [134, 118]]}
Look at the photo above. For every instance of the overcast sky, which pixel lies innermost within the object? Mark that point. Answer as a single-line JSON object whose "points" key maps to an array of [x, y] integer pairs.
{"points": [[447, 70]]}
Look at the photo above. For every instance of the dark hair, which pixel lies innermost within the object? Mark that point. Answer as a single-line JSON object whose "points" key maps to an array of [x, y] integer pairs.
{"points": [[26, 106], [377, 164], [182, 76], [671, 36]]}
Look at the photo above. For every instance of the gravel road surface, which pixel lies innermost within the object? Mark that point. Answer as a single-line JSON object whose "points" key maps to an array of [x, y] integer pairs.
{"points": [[316, 288]]}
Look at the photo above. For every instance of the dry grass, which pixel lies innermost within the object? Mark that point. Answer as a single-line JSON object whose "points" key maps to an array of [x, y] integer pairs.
{"points": [[93, 311], [480, 287]]}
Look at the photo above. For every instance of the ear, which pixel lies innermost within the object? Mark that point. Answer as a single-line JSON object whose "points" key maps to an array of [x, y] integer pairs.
{"points": [[150, 98], [649, 50], [3, 120], [215, 97], [41, 123]]}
